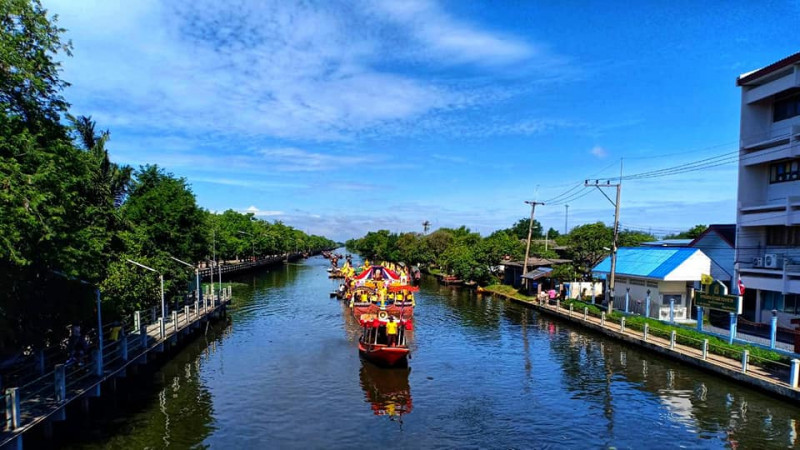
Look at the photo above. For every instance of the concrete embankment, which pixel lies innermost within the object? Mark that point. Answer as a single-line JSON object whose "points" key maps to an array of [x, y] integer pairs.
{"points": [[775, 378]]}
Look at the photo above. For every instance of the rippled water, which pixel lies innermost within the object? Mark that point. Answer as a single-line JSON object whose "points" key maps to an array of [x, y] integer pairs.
{"points": [[285, 373]]}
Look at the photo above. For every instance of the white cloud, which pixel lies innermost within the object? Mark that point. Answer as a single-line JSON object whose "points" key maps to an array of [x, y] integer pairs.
{"points": [[262, 213], [599, 152]]}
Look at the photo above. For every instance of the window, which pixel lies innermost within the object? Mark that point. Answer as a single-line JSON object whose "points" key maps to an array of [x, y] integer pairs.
{"points": [[772, 300], [784, 171], [786, 108], [780, 235], [791, 303], [776, 235]]}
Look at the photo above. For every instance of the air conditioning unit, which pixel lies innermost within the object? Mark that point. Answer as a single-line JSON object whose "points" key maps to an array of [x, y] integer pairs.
{"points": [[771, 261], [758, 262]]}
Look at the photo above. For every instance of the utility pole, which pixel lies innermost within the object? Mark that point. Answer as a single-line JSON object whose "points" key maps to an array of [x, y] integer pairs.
{"points": [[530, 230], [598, 185], [566, 219]]}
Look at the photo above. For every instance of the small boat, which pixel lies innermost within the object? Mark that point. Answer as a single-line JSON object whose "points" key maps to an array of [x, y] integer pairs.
{"points": [[451, 280], [373, 345]]}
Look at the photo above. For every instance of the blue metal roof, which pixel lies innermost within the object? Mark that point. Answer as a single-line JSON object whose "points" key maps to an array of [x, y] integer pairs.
{"points": [[647, 262]]}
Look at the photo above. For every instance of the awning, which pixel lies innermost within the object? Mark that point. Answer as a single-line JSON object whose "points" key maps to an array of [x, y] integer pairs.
{"points": [[537, 273]]}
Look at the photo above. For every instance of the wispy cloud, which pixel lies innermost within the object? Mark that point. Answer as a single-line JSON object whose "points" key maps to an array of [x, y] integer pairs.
{"points": [[292, 159], [599, 152], [262, 213]]}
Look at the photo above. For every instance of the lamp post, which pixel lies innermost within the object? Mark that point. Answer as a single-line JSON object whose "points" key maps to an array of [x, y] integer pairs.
{"points": [[161, 278], [196, 276]]}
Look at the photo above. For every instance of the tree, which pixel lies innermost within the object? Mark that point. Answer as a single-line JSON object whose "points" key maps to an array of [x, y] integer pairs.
{"points": [[30, 86], [520, 229], [691, 233], [589, 244], [628, 238]]}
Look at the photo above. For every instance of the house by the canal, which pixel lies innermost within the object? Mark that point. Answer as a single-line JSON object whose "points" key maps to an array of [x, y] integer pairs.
{"points": [[539, 270], [666, 274]]}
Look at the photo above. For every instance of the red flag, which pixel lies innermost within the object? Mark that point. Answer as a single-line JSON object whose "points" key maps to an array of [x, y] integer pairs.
{"points": [[741, 286]]}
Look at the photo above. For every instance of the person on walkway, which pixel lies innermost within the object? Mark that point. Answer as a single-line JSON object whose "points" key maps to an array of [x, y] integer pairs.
{"points": [[552, 295], [391, 332]]}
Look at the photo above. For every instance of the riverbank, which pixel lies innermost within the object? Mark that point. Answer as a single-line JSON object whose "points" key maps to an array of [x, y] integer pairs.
{"points": [[754, 367]]}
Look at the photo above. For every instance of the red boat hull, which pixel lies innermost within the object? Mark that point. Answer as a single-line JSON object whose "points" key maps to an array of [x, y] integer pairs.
{"points": [[383, 355]]}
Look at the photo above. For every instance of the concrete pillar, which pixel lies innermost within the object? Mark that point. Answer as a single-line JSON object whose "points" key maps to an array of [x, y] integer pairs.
{"points": [[97, 355], [773, 332], [585, 313], [143, 336], [627, 299], [732, 334], [603, 318], [646, 331], [186, 315], [175, 321], [672, 309], [162, 330], [123, 347], [672, 340], [622, 325], [705, 349], [12, 409], [570, 309], [745, 357], [196, 309], [793, 375], [700, 319], [137, 320], [60, 383], [40, 362]]}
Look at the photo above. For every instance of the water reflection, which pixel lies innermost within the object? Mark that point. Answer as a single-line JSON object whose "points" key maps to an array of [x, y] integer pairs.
{"points": [[387, 390]]}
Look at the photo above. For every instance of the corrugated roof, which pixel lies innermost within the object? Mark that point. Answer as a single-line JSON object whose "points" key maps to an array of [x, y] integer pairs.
{"points": [[538, 273], [756, 74], [647, 262]]}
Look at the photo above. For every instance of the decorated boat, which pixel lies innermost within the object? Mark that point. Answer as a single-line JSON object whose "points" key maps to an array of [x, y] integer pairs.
{"points": [[378, 289], [379, 345]]}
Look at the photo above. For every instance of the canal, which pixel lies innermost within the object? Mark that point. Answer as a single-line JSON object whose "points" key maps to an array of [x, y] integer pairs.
{"points": [[285, 373]]}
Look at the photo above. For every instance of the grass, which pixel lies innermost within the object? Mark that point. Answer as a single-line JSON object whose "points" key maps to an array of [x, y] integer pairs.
{"points": [[683, 335]]}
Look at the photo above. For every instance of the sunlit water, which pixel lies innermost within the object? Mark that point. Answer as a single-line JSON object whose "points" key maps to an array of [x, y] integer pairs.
{"points": [[484, 373]]}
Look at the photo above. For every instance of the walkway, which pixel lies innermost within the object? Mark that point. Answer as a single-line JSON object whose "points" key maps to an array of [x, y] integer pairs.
{"points": [[775, 377], [44, 396]]}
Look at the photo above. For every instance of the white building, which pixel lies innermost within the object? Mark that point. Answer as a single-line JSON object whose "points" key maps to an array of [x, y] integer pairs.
{"points": [[666, 274], [768, 207]]}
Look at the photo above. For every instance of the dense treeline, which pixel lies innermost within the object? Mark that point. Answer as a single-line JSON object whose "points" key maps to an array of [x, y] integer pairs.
{"points": [[68, 213], [469, 256]]}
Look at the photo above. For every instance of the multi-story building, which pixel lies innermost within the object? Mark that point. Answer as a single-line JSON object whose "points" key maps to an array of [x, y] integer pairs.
{"points": [[768, 207]]}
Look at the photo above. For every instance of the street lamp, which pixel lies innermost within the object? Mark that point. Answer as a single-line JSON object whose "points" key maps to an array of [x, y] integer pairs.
{"points": [[161, 278], [252, 242], [196, 275]]}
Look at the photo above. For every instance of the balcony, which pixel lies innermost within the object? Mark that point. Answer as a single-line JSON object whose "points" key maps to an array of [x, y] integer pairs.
{"points": [[785, 213], [783, 143]]}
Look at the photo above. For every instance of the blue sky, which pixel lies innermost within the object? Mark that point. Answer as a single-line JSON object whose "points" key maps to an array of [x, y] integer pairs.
{"points": [[344, 117]]}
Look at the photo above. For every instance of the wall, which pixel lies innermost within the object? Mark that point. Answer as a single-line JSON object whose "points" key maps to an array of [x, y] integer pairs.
{"points": [[720, 253]]}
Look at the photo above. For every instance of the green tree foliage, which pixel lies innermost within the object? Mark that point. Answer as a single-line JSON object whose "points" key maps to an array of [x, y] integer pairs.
{"points": [[588, 244], [520, 229], [68, 212], [691, 233], [628, 238]]}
